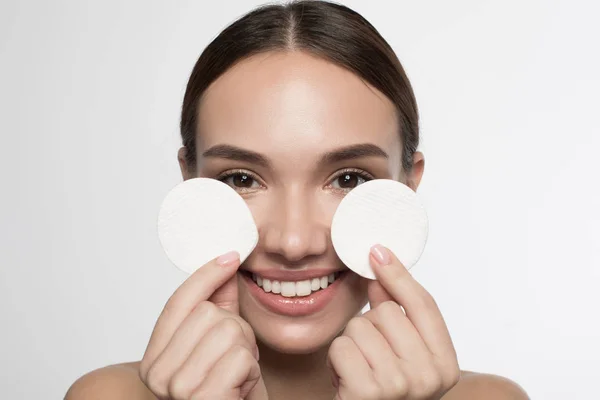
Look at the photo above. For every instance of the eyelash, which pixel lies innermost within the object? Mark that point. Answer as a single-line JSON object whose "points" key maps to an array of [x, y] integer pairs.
{"points": [[359, 172], [226, 175]]}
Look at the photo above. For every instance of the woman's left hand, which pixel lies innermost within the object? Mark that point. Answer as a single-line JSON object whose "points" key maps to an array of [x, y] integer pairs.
{"points": [[389, 354]]}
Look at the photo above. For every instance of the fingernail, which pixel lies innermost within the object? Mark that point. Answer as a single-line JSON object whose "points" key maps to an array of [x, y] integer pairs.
{"points": [[381, 254], [256, 353], [228, 258]]}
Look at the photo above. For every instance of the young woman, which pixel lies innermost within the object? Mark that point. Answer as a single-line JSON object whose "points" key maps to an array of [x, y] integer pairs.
{"points": [[293, 106]]}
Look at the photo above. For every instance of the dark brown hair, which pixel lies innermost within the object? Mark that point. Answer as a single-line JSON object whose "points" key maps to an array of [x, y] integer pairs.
{"points": [[327, 30]]}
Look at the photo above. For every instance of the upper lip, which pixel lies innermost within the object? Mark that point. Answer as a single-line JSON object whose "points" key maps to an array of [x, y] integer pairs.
{"points": [[294, 275]]}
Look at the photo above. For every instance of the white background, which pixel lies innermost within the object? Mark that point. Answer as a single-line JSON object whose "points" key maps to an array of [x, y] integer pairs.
{"points": [[90, 93]]}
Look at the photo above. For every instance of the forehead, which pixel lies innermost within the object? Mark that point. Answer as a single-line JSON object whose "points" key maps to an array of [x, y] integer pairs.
{"points": [[291, 103]]}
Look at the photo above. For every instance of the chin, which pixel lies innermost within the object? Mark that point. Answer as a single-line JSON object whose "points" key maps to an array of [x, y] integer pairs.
{"points": [[299, 337], [303, 332]]}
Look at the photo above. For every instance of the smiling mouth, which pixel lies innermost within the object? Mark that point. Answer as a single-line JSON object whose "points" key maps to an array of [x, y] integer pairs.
{"points": [[294, 288]]}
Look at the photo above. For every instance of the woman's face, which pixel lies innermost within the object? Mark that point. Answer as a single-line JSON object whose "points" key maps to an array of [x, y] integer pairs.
{"points": [[293, 134]]}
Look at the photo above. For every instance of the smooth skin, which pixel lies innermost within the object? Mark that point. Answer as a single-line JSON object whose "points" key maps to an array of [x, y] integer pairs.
{"points": [[287, 131]]}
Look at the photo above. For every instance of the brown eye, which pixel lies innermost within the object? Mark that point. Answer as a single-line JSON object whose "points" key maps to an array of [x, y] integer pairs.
{"points": [[242, 181], [348, 180]]}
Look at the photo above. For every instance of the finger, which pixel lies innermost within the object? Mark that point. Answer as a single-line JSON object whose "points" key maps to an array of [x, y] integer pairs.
{"points": [[199, 286], [397, 330], [419, 305], [372, 344], [377, 294], [226, 296], [192, 330], [353, 373], [236, 375], [226, 334]]}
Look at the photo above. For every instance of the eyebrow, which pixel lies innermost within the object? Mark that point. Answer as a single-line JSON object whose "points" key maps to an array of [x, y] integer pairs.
{"points": [[352, 152], [237, 154], [335, 156]]}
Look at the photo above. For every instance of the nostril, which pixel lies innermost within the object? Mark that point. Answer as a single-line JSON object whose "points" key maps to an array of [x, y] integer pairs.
{"points": [[294, 241]]}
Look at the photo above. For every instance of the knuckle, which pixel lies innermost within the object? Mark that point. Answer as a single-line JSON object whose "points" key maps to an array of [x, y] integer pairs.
{"points": [[400, 389], [179, 388], [451, 376], [231, 329], [340, 344], [449, 370], [371, 391], [426, 383], [356, 324], [427, 300], [157, 382], [241, 355], [206, 308], [388, 308], [397, 386], [203, 392], [143, 370], [247, 329]]}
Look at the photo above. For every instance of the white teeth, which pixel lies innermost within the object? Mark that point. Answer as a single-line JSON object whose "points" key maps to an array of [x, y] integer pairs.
{"points": [[297, 288], [315, 284], [275, 287], [288, 289], [324, 282], [266, 285], [303, 288]]}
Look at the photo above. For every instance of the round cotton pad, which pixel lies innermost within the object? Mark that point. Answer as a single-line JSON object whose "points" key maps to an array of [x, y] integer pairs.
{"points": [[380, 211], [202, 218]]}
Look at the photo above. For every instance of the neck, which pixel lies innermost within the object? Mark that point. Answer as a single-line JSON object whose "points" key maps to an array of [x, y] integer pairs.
{"points": [[296, 376]]}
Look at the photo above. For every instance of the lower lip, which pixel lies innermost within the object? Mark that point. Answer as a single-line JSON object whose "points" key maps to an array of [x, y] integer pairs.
{"points": [[295, 306]]}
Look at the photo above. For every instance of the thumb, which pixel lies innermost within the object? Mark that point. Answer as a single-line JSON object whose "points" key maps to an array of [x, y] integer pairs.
{"points": [[226, 296], [377, 294]]}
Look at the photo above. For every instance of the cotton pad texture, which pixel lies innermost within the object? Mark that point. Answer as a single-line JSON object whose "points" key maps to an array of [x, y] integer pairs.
{"points": [[201, 219], [380, 211]]}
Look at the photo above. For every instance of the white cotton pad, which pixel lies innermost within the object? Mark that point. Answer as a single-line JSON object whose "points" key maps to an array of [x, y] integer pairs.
{"points": [[380, 211], [202, 218]]}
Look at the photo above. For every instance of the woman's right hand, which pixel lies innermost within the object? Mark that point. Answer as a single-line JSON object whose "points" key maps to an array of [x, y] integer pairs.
{"points": [[200, 347]]}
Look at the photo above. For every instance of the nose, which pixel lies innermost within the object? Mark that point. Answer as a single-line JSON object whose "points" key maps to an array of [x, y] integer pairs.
{"points": [[296, 227]]}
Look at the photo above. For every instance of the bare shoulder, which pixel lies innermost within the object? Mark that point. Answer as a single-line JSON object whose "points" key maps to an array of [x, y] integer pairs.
{"points": [[117, 382], [474, 386]]}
